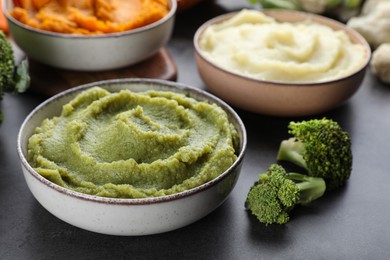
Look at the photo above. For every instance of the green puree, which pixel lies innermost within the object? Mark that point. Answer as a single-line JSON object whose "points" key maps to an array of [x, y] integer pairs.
{"points": [[133, 145]]}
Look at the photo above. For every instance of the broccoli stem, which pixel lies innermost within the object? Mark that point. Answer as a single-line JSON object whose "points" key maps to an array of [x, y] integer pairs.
{"points": [[352, 4], [22, 77], [311, 188], [292, 150]]}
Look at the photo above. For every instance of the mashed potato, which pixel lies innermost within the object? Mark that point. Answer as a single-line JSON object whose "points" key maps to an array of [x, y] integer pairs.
{"points": [[255, 45]]}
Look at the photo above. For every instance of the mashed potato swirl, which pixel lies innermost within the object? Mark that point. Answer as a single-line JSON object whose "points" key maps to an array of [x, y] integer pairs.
{"points": [[255, 45]]}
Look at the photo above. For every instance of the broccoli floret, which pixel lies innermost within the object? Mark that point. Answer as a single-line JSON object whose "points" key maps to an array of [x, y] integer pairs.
{"points": [[12, 77], [277, 192], [322, 148], [7, 64]]}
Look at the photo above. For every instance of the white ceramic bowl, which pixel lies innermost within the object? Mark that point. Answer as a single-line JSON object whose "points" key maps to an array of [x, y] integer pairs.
{"points": [[281, 98], [128, 216], [92, 52]]}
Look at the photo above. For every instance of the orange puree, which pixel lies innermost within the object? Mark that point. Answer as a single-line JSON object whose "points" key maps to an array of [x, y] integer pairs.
{"points": [[89, 16]]}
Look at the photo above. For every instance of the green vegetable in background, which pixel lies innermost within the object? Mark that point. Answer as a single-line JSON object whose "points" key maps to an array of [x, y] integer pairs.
{"points": [[314, 6], [277, 192], [12, 78], [333, 3], [322, 148], [352, 4], [279, 4]]}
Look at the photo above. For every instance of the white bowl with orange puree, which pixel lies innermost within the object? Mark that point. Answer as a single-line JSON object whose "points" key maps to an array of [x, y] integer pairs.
{"points": [[90, 35]]}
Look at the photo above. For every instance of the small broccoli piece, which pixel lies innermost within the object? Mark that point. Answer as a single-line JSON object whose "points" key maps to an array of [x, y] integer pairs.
{"points": [[277, 192], [277, 4], [322, 148], [12, 77], [7, 64]]}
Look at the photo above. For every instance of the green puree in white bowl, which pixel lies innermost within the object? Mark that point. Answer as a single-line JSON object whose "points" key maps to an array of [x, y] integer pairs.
{"points": [[133, 145]]}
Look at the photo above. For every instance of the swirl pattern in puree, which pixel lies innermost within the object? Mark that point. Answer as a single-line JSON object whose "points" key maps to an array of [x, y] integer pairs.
{"points": [[133, 145], [258, 46]]}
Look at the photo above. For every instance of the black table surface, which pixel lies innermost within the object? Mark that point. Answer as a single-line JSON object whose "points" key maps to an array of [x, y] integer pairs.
{"points": [[350, 223]]}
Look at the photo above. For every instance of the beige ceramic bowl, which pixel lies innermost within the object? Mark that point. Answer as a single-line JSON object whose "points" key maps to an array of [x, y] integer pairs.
{"points": [[91, 53], [128, 216], [275, 98]]}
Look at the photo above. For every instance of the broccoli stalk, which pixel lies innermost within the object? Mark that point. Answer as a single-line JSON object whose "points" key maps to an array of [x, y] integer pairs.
{"points": [[313, 6], [310, 188], [278, 4], [292, 150], [12, 78], [277, 192], [322, 148]]}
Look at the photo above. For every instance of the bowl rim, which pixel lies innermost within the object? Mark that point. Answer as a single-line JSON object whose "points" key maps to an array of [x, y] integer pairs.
{"points": [[226, 16], [135, 201], [170, 15]]}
